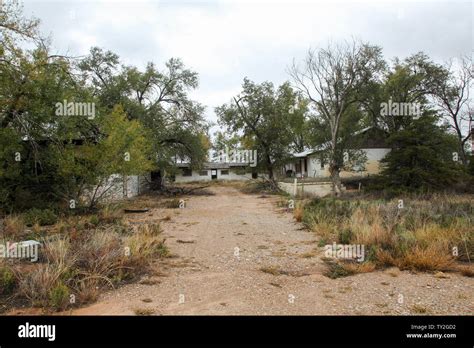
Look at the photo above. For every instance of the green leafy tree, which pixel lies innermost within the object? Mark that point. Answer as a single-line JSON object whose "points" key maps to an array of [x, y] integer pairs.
{"points": [[261, 115], [88, 168], [421, 157], [49, 156], [158, 99]]}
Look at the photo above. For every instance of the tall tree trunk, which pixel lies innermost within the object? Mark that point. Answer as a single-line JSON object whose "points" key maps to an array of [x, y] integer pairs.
{"points": [[463, 155], [269, 167], [333, 166], [336, 187], [270, 173]]}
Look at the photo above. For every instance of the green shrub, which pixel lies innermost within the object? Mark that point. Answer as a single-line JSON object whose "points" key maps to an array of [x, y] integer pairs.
{"points": [[336, 270], [7, 281], [41, 216], [162, 250], [94, 220], [322, 242], [345, 236], [59, 297]]}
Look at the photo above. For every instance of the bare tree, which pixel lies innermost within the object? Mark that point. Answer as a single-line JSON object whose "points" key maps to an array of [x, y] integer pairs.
{"points": [[451, 95], [333, 79]]}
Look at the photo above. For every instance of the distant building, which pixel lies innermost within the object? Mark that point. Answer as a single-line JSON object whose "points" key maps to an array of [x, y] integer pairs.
{"points": [[310, 163], [216, 171]]}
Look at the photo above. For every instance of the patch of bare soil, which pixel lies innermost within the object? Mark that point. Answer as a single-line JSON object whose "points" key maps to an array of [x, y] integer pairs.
{"points": [[238, 254]]}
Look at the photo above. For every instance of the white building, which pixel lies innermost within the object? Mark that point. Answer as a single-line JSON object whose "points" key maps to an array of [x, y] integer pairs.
{"points": [[216, 171], [117, 187], [310, 163]]}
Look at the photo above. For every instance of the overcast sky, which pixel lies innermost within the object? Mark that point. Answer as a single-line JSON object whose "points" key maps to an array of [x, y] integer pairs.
{"points": [[225, 41]]}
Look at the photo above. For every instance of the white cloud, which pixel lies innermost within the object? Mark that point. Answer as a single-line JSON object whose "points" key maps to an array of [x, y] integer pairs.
{"points": [[225, 41]]}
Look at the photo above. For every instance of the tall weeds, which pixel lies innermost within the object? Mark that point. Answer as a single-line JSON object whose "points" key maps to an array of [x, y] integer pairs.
{"points": [[428, 233]]}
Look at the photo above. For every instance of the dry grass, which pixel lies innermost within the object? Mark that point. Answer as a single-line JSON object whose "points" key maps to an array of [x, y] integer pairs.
{"points": [[110, 214], [337, 269], [419, 309], [354, 268], [259, 186], [143, 311], [393, 272], [149, 201], [309, 254], [37, 285], [431, 258], [13, 226], [441, 275], [149, 229], [174, 203], [273, 270], [422, 236], [83, 259], [466, 270], [149, 281], [298, 211]]}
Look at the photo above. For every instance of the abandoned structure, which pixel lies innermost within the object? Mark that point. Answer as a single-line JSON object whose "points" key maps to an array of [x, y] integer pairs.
{"points": [[216, 171], [311, 164]]}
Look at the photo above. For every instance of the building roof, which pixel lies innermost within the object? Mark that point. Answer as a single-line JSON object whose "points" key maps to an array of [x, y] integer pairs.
{"points": [[303, 153], [368, 143]]}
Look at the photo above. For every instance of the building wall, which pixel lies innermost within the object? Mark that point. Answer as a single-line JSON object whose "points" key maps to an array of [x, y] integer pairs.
{"points": [[117, 187], [196, 177], [372, 166], [137, 184], [314, 167], [234, 176]]}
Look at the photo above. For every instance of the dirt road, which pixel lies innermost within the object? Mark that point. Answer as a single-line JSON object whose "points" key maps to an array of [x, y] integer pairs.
{"points": [[241, 254]]}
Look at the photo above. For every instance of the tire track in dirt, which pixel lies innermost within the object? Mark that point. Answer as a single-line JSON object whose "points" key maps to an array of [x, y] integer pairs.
{"points": [[223, 241]]}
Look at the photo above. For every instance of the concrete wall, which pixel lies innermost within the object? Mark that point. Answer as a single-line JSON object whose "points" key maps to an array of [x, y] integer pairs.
{"points": [[137, 184], [314, 167], [117, 187], [319, 189], [194, 177]]}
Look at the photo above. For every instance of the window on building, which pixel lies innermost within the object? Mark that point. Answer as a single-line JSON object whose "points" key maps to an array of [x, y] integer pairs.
{"points": [[321, 160], [224, 172], [203, 172], [187, 172]]}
